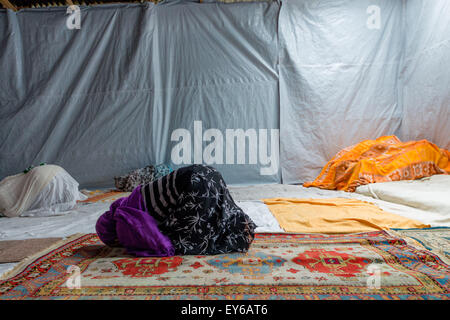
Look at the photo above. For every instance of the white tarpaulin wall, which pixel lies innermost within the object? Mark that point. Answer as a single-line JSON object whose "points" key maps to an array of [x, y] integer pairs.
{"points": [[426, 72], [108, 98]]}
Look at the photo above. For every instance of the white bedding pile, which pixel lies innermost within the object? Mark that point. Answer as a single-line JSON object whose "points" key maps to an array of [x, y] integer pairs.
{"points": [[430, 194], [43, 191]]}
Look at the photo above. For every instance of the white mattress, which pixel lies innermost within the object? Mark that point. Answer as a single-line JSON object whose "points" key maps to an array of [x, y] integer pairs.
{"points": [[431, 195]]}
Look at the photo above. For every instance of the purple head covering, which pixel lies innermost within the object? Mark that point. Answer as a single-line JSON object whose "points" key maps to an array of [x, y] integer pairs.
{"points": [[127, 223]]}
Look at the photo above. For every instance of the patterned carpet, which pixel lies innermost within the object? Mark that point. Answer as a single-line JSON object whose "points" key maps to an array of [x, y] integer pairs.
{"points": [[436, 239], [374, 265]]}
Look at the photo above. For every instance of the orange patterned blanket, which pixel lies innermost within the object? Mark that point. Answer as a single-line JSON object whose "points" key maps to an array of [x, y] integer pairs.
{"points": [[382, 160]]}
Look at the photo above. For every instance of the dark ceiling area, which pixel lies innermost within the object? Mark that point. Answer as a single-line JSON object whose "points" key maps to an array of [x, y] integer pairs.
{"points": [[22, 4]]}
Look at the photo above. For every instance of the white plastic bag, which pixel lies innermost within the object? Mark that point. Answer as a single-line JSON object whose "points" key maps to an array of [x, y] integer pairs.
{"points": [[44, 191]]}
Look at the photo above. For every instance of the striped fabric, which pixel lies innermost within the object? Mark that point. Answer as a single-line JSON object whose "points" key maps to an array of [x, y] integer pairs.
{"points": [[160, 196]]}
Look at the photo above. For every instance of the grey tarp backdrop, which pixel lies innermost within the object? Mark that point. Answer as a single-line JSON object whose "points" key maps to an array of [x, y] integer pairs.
{"points": [[105, 99], [425, 72]]}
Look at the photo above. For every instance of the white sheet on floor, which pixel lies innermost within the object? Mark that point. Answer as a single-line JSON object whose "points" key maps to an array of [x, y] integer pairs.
{"points": [[80, 220], [261, 216], [431, 194], [83, 219]]}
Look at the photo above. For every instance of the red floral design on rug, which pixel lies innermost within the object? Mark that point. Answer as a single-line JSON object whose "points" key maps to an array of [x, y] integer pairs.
{"points": [[147, 267], [328, 261]]}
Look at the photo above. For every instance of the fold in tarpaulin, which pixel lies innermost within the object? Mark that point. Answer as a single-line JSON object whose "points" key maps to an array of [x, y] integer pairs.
{"points": [[335, 215], [424, 93], [382, 160]]}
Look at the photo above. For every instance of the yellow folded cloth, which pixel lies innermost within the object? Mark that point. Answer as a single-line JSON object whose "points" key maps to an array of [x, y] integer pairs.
{"points": [[335, 215], [381, 160]]}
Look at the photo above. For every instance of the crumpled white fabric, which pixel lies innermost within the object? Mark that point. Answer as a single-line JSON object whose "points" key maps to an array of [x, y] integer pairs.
{"points": [[44, 191], [431, 194], [260, 214]]}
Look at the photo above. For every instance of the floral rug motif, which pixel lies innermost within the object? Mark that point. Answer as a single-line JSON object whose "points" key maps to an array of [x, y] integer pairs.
{"points": [[371, 265]]}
